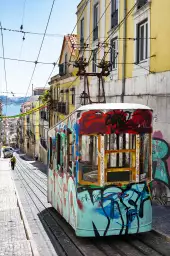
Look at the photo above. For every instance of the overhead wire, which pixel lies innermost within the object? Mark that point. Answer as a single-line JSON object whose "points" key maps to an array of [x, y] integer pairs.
{"points": [[28, 61], [72, 45], [98, 21], [31, 33], [41, 46], [3, 53]]}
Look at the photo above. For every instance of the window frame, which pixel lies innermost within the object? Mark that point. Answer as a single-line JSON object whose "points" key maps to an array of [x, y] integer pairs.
{"points": [[141, 3], [82, 32], [97, 144], [65, 63], [94, 60], [73, 97], [115, 51], [114, 12], [142, 47], [95, 21], [58, 148]]}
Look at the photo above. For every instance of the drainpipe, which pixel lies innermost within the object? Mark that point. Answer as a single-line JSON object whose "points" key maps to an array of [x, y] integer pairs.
{"points": [[124, 53]]}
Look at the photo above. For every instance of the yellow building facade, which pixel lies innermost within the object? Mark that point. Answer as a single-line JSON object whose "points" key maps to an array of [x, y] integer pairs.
{"points": [[62, 86], [140, 18]]}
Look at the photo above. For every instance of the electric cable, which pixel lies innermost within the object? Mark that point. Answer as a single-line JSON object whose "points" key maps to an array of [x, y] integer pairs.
{"points": [[41, 46], [5, 73]]}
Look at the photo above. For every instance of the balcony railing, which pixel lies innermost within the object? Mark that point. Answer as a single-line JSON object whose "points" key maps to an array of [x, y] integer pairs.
{"points": [[141, 3], [43, 143], [61, 107]]}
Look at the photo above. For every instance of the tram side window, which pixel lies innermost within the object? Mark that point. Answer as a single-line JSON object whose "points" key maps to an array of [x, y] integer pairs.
{"points": [[69, 147], [89, 158], [51, 153], [144, 155], [119, 142], [58, 149]]}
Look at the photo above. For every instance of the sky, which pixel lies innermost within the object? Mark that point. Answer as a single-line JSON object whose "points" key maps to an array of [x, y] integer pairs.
{"points": [[34, 19]]}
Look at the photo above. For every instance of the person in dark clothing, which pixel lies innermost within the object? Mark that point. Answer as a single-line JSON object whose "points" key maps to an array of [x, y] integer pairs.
{"points": [[13, 162]]}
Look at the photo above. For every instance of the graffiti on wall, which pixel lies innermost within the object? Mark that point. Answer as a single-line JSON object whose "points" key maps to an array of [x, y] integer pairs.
{"points": [[161, 168], [123, 210]]}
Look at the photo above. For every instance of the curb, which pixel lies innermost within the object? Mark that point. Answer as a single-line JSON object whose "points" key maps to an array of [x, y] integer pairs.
{"points": [[26, 225], [161, 234]]}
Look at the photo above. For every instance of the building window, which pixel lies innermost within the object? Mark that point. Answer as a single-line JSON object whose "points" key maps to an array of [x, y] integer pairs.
{"points": [[94, 60], [114, 13], [66, 64], [114, 52], [142, 41], [82, 32], [141, 3], [95, 21], [73, 96]]}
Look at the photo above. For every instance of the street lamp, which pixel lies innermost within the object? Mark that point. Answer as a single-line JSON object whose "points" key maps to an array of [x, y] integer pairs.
{"points": [[84, 98]]}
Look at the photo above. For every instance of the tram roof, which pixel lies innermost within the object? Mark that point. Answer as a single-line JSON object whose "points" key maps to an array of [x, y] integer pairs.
{"points": [[103, 106], [108, 106]]}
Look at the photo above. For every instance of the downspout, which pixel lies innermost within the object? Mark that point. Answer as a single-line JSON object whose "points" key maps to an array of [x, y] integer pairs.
{"points": [[124, 53]]}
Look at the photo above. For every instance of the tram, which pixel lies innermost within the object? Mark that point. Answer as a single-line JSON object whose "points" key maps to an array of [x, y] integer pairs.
{"points": [[100, 168]]}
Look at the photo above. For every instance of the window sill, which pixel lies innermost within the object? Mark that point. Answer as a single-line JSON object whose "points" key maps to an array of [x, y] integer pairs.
{"points": [[114, 74], [141, 68]]}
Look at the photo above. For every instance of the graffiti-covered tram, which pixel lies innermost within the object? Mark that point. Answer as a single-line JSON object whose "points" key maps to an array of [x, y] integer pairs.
{"points": [[100, 169]]}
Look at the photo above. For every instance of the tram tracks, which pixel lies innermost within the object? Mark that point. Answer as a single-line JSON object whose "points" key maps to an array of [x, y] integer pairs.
{"points": [[66, 243]]}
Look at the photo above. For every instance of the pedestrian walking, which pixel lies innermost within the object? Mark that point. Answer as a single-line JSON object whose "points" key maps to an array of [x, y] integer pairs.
{"points": [[13, 162]]}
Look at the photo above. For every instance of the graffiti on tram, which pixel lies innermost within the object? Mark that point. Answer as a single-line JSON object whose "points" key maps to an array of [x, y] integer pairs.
{"points": [[123, 208]]}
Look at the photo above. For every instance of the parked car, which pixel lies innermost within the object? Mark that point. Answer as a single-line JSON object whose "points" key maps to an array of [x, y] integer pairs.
{"points": [[8, 153]]}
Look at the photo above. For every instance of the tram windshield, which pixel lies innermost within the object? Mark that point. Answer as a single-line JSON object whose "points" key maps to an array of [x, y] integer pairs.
{"points": [[122, 154], [115, 147]]}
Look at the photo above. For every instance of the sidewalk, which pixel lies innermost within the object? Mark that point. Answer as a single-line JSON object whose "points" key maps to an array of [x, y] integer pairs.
{"points": [[13, 237]]}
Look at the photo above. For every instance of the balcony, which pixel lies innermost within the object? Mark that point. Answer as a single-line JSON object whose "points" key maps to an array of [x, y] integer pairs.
{"points": [[141, 3], [61, 107], [43, 143]]}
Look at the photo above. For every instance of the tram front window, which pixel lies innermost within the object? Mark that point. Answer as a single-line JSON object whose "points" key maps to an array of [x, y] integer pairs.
{"points": [[118, 149], [120, 157], [89, 158]]}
